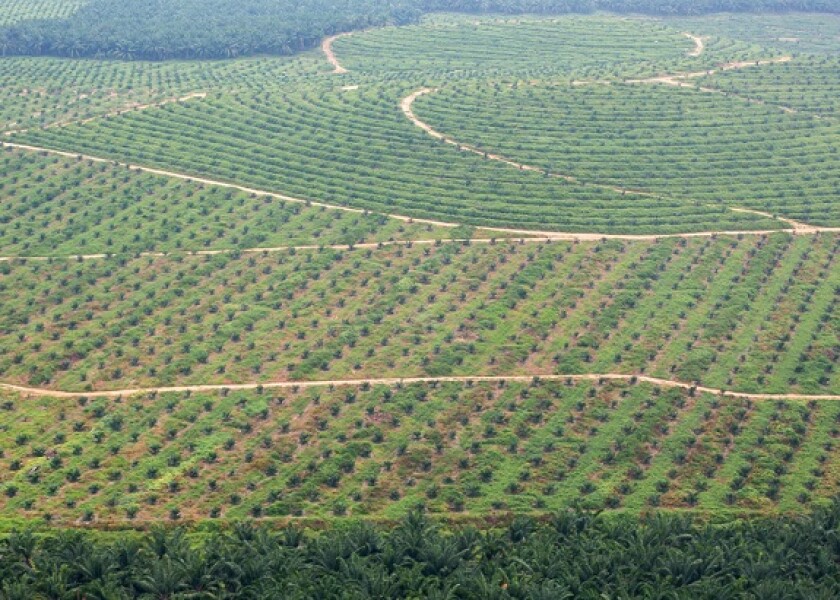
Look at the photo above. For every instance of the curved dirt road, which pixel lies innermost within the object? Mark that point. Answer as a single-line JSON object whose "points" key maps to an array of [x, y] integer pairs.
{"points": [[391, 381], [327, 49], [408, 102], [699, 44]]}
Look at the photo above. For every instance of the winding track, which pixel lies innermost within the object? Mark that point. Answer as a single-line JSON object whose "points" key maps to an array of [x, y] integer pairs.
{"points": [[699, 44], [408, 102], [115, 113], [326, 47], [392, 381]]}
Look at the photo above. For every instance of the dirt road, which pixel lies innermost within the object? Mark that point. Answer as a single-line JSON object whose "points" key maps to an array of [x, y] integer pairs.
{"points": [[116, 112], [326, 47], [392, 381], [699, 44]]}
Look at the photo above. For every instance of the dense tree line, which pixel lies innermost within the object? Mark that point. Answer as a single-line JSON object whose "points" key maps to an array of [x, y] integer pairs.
{"points": [[574, 555], [164, 29]]}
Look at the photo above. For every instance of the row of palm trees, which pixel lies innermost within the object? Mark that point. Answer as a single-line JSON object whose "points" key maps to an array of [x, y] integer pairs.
{"points": [[573, 555]]}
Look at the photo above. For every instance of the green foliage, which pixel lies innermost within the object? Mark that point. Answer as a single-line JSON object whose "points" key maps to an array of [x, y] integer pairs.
{"points": [[163, 29], [574, 555], [12, 11], [463, 450], [672, 141]]}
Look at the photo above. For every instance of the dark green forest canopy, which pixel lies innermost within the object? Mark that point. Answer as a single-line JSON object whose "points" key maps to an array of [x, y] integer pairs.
{"points": [[574, 555], [166, 29]]}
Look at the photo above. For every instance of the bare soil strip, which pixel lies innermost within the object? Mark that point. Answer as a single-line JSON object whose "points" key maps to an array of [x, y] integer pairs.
{"points": [[394, 381], [406, 106], [326, 47], [699, 44], [674, 79], [797, 226], [227, 185], [684, 80]]}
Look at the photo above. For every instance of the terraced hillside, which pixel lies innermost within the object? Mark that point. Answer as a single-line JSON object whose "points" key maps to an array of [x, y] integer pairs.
{"points": [[486, 264], [343, 140], [798, 33], [65, 206], [476, 46], [47, 92], [809, 86], [719, 151]]}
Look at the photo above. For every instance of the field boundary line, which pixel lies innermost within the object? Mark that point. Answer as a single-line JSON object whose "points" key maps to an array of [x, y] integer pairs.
{"points": [[396, 381], [683, 80], [275, 249], [553, 235], [114, 113]]}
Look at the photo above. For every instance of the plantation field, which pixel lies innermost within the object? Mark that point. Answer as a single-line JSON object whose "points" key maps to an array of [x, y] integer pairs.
{"points": [[669, 140], [798, 33], [809, 85], [59, 206], [39, 92], [377, 161], [757, 314], [629, 227], [454, 46], [12, 11], [344, 140], [471, 449]]}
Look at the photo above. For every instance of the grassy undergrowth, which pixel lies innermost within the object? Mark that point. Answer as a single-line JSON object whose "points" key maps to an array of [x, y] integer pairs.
{"points": [[458, 449], [757, 314]]}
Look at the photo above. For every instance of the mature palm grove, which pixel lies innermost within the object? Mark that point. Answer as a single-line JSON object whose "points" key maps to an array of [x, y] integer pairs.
{"points": [[571, 555]]}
